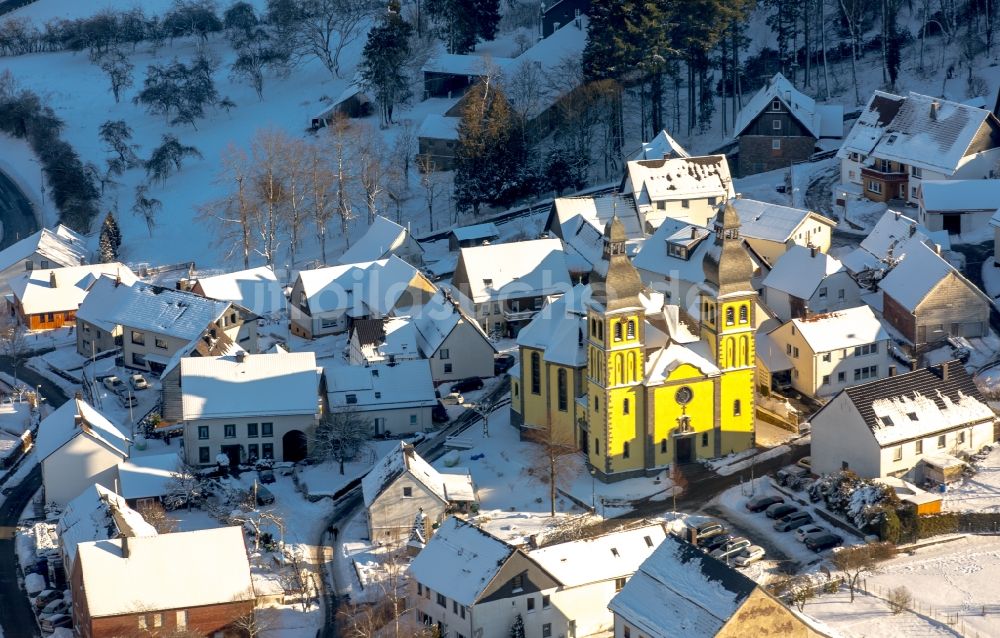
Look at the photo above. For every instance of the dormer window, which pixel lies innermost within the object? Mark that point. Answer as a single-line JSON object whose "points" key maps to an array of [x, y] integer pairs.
{"points": [[775, 104], [488, 283]]}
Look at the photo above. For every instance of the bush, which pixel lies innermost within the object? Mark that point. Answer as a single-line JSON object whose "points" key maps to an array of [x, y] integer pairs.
{"points": [[899, 599], [890, 527], [945, 523]]}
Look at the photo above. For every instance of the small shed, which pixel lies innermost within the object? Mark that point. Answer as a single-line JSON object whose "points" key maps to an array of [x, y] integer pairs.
{"points": [[437, 138], [468, 236], [352, 103], [942, 468]]}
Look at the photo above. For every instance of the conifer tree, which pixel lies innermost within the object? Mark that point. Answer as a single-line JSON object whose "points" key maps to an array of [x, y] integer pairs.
{"points": [[383, 62], [517, 629], [110, 240]]}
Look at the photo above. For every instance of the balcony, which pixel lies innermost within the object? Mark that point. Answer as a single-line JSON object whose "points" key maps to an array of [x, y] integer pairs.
{"points": [[885, 177], [518, 315]]}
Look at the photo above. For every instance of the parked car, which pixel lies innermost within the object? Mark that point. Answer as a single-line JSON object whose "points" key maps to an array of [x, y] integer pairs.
{"points": [[455, 398], [265, 476], [793, 521], [467, 385], [502, 363], [708, 530], [788, 475], [780, 509], [439, 414], [731, 548], [47, 596], [715, 542], [128, 400], [138, 382], [749, 555], [264, 496], [113, 383], [819, 542], [50, 623], [761, 503], [808, 530], [57, 606]]}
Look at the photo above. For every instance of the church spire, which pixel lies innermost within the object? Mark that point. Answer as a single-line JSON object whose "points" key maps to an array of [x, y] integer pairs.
{"points": [[727, 265], [621, 286]]}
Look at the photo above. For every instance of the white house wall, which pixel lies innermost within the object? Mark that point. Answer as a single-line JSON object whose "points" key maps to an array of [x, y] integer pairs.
{"points": [[391, 516], [840, 435], [395, 420], [80, 463], [975, 438], [216, 434], [469, 355]]}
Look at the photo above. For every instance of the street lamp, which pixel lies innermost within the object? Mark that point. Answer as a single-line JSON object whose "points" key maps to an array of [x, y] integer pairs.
{"points": [[593, 489]]}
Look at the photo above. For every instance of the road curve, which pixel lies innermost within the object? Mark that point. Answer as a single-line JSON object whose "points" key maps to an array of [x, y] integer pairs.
{"points": [[16, 212]]}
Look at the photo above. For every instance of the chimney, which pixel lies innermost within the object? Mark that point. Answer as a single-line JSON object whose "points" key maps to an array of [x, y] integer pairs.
{"points": [[125, 550], [913, 365], [897, 214], [52, 279], [241, 356], [812, 251], [913, 230], [934, 110], [118, 280], [945, 367], [892, 371], [694, 232]]}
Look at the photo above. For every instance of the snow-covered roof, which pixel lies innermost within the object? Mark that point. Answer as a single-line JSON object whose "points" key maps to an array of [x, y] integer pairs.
{"points": [[681, 591], [917, 130], [518, 269], [259, 385], [841, 329], [800, 271], [464, 64], [154, 309], [380, 386], [559, 329], [61, 246], [458, 485], [358, 289], [679, 178], [437, 319], [256, 289], [590, 560], [385, 338], [381, 238], [662, 363], [61, 426], [771, 222], [167, 571], [204, 345], [771, 354], [663, 146], [460, 561], [98, 514], [148, 476], [918, 272], [63, 289], [566, 43], [920, 403], [654, 256], [582, 220], [821, 120], [487, 231], [438, 127], [960, 195], [401, 459], [890, 232]]}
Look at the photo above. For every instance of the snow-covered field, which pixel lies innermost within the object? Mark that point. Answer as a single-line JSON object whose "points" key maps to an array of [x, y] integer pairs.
{"points": [[980, 492]]}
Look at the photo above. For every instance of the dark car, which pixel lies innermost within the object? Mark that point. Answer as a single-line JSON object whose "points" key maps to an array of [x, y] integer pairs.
{"points": [[761, 503], [714, 542], [793, 521], [265, 476], [780, 509], [47, 596], [51, 623], [467, 385], [503, 362], [264, 496], [439, 414], [819, 542]]}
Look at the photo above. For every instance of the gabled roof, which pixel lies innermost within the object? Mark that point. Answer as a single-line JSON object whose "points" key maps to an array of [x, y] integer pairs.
{"points": [[661, 364], [546, 55], [890, 232], [154, 309], [487, 231], [559, 329], [61, 246], [387, 337], [463, 64], [841, 329], [960, 195], [37, 294], [61, 426], [401, 459], [259, 385], [358, 289], [148, 476], [590, 560], [918, 403], [460, 561], [820, 120], [800, 271], [678, 178], [918, 272], [438, 127], [98, 514], [918, 130], [654, 255], [581, 222], [256, 289], [436, 321], [663, 146], [204, 345], [771, 222], [167, 571], [378, 242], [380, 386], [682, 591], [518, 269]]}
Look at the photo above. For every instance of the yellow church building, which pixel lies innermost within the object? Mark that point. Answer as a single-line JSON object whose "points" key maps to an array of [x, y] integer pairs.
{"points": [[613, 369]]}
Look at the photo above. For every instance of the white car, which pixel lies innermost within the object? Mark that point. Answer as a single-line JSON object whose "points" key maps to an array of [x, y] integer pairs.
{"points": [[138, 382], [113, 383], [454, 398], [808, 530], [749, 555]]}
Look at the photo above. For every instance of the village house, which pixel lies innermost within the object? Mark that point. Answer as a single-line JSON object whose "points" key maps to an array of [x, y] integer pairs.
{"points": [[475, 235], [394, 398], [96, 514], [144, 480], [210, 343], [781, 125], [161, 585], [257, 290], [78, 447], [384, 340], [249, 406], [958, 206], [503, 285], [325, 300], [886, 243], [57, 248], [381, 240], [437, 138], [579, 222], [834, 350], [684, 188], [151, 323], [805, 281], [47, 299], [402, 488], [682, 591], [453, 342], [899, 425], [662, 146], [899, 142], [771, 229], [561, 12]]}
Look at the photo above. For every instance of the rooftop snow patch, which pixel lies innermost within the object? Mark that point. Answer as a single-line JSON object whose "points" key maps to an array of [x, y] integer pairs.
{"points": [[800, 271], [960, 195], [61, 246], [614, 555], [61, 426], [820, 120], [380, 386], [437, 319], [679, 178], [919, 271], [98, 514], [381, 238], [359, 289], [518, 269], [559, 329], [771, 222], [438, 127], [402, 458], [148, 476], [63, 289], [256, 289], [841, 329], [476, 232], [663, 146]]}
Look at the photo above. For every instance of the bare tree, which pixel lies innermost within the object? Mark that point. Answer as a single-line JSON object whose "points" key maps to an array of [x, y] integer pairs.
{"points": [[404, 149], [340, 436], [185, 488], [14, 343], [320, 184], [330, 25], [370, 157], [899, 599], [340, 138], [247, 513], [236, 213], [485, 407], [388, 616], [547, 460], [861, 559], [155, 515], [254, 624], [297, 189], [119, 71], [146, 207], [432, 183], [268, 180]]}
